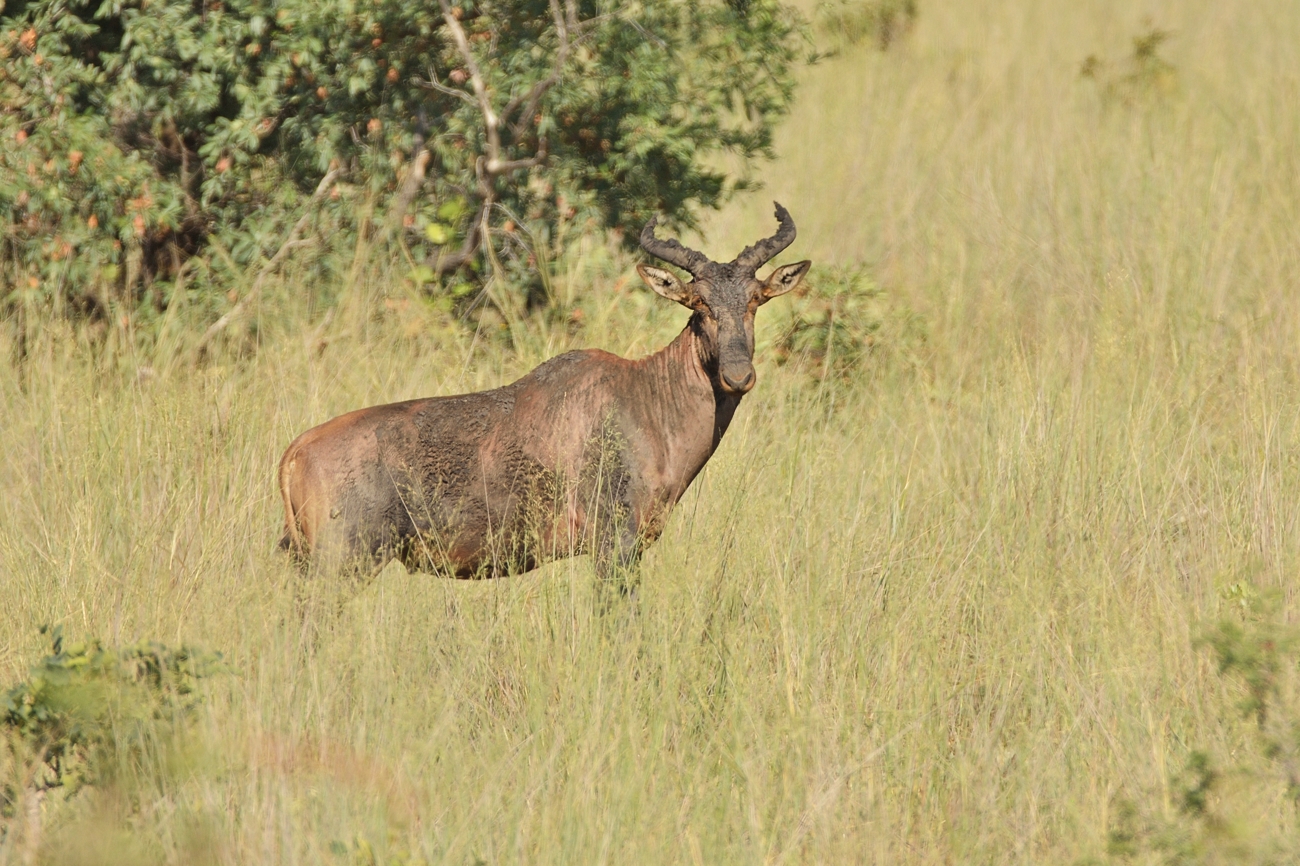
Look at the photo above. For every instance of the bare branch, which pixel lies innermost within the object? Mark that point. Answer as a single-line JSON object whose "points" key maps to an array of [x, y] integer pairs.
{"points": [[636, 25], [572, 33], [490, 120], [433, 84], [410, 184], [321, 188], [535, 93], [517, 113], [500, 167]]}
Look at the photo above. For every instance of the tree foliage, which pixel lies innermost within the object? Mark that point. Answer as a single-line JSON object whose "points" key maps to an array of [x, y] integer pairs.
{"points": [[138, 134]]}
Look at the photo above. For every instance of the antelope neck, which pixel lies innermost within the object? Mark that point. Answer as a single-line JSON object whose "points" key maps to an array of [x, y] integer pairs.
{"points": [[683, 392]]}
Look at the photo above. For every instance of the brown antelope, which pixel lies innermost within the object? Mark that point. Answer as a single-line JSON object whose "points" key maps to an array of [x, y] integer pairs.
{"points": [[587, 453]]}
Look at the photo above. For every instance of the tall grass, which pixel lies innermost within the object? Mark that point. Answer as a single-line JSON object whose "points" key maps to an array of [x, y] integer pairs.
{"points": [[943, 614]]}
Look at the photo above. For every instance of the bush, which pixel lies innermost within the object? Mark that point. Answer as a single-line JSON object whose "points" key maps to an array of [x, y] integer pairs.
{"points": [[137, 134], [839, 319], [848, 22], [84, 703], [1218, 800], [1141, 78]]}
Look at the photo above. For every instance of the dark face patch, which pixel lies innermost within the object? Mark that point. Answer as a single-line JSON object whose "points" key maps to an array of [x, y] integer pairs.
{"points": [[727, 305]]}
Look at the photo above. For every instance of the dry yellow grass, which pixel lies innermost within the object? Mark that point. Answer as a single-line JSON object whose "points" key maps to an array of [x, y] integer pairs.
{"points": [[942, 615]]}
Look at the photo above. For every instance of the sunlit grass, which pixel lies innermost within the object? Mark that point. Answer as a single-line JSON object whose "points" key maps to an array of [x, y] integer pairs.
{"points": [[941, 614]]}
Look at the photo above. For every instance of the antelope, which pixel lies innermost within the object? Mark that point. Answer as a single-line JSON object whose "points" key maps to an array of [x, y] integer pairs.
{"points": [[588, 453]]}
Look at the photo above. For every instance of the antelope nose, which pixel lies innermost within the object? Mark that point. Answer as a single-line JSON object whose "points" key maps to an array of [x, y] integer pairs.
{"points": [[741, 385]]}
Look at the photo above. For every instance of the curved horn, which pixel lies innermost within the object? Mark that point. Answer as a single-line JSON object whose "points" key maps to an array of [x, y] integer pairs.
{"points": [[671, 251], [754, 257]]}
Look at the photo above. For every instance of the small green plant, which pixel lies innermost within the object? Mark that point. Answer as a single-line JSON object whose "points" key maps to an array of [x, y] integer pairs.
{"points": [[1211, 819], [84, 703], [838, 319], [848, 22], [1141, 77], [834, 318]]}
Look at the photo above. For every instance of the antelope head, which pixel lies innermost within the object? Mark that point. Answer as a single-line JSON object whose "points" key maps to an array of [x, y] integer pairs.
{"points": [[724, 296]]}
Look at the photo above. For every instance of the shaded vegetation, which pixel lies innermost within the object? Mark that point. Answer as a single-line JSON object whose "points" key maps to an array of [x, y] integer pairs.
{"points": [[1144, 75], [151, 148]]}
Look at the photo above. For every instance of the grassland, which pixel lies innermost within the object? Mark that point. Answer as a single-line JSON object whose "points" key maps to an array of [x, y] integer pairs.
{"points": [[943, 613]]}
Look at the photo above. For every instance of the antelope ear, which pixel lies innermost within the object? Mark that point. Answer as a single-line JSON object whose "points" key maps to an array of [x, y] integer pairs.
{"points": [[665, 283], [783, 279]]}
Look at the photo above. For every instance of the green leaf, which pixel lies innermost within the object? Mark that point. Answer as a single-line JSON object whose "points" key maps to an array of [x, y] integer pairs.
{"points": [[453, 209], [437, 233]]}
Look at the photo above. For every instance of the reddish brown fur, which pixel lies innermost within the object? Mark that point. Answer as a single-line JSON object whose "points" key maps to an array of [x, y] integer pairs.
{"points": [[587, 453]]}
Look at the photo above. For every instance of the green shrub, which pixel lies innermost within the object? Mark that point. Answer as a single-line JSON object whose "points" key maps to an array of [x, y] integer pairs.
{"points": [[480, 138], [839, 319], [1216, 797], [848, 22], [84, 704], [1140, 78]]}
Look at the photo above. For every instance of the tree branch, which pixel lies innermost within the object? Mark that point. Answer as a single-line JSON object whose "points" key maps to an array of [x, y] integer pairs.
{"points": [[520, 109], [433, 84], [539, 89], [490, 120], [411, 183], [571, 32], [509, 165]]}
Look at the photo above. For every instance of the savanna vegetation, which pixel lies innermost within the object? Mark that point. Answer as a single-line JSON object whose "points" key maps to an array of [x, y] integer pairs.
{"points": [[996, 564]]}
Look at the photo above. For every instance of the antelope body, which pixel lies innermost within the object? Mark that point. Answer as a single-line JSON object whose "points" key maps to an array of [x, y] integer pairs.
{"points": [[588, 453]]}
